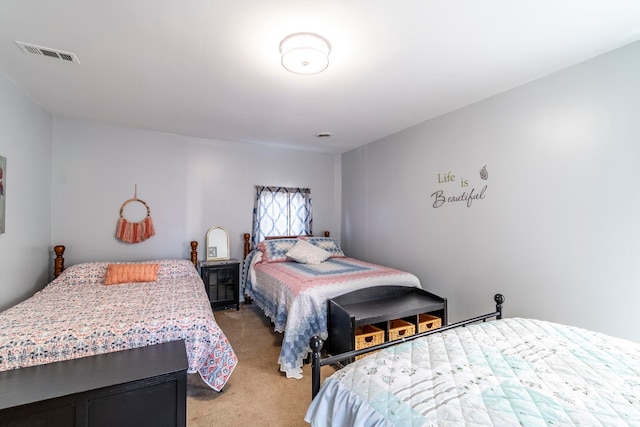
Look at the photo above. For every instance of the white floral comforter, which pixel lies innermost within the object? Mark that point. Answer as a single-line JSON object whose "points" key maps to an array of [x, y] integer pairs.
{"points": [[76, 315], [295, 297], [501, 373]]}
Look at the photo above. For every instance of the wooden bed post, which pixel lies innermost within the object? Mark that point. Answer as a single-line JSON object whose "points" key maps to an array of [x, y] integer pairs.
{"points": [[59, 261], [247, 244], [194, 253]]}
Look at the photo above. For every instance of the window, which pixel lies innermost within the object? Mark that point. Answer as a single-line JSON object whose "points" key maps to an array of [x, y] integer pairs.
{"points": [[281, 211]]}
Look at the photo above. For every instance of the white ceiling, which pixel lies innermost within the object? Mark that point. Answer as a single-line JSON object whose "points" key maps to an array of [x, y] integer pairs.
{"points": [[211, 68]]}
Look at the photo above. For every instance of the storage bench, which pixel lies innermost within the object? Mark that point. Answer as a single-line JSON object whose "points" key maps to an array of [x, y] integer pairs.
{"points": [[396, 310]]}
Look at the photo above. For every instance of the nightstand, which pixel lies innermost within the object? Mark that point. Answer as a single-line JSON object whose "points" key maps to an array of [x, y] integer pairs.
{"points": [[222, 282]]}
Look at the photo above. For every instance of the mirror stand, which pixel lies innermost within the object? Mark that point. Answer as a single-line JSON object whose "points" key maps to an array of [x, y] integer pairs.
{"points": [[217, 244]]}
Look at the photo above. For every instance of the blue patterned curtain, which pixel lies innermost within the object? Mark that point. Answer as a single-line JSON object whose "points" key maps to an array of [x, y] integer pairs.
{"points": [[281, 211]]}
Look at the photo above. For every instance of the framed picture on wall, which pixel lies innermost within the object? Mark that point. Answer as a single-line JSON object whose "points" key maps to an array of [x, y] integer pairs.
{"points": [[3, 191]]}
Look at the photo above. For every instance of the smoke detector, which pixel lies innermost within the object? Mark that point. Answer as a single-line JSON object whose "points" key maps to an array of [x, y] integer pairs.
{"points": [[48, 52]]}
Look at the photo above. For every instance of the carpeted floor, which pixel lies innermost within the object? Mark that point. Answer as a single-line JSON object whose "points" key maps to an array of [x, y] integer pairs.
{"points": [[257, 393]]}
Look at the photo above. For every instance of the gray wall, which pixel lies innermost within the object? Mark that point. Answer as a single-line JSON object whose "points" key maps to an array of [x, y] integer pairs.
{"points": [[25, 140], [190, 185], [557, 231]]}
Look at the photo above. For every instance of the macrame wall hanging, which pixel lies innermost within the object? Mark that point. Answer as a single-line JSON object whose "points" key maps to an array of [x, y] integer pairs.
{"points": [[134, 232]]}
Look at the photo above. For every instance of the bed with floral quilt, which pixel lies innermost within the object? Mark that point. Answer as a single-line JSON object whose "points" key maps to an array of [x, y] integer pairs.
{"points": [[504, 372], [291, 279], [100, 307]]}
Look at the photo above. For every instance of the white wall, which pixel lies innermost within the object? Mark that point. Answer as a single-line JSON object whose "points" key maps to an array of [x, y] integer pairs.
{"points": [[25, 140], [558, 231], [190, 184]]}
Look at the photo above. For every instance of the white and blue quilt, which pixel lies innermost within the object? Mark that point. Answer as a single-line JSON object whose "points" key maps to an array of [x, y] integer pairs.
{"points": [[294, 296], [502, 373]]}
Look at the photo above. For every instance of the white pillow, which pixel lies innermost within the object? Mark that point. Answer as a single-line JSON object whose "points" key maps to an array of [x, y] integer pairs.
{"points": [[306, 253]]}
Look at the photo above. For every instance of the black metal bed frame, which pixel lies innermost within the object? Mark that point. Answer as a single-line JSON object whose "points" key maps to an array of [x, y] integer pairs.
{"points": [[316, 343]]}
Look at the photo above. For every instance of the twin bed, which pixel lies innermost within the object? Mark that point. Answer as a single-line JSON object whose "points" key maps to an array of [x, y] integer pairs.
{"points": [[99, 307], [294, 293], [503, 372]]}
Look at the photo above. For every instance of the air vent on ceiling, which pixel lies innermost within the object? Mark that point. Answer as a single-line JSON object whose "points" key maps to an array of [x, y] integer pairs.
{"points": [[33, 49]]}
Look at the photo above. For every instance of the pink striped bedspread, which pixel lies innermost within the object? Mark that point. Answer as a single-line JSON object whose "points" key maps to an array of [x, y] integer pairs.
{"points": [[295, 297], [76, 315]]}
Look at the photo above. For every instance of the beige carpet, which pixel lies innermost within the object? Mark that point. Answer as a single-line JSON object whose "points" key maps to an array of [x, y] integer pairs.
{"points": [[257, 393]]}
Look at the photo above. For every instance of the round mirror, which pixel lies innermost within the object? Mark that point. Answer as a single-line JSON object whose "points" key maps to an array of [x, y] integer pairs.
{"points": [[217, 241]]}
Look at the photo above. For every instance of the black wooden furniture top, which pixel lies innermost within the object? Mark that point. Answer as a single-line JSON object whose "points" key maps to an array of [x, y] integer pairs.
{"points": [[217, 263], [44, 382], [380, 303]]}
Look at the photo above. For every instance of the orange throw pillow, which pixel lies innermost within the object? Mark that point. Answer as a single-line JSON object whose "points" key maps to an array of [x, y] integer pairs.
{"points": [[128, 273]]}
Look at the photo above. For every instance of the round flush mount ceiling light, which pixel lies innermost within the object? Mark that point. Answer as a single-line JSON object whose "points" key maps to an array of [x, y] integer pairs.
{"points": [[305, 53]]}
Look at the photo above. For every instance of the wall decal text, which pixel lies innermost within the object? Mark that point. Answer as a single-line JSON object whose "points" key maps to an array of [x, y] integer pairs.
{"points": [[467, 196]]}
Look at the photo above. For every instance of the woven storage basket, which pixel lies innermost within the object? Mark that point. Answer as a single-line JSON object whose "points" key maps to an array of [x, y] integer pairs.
{"points": [[367, 336], [427, 322], [399, 328]]}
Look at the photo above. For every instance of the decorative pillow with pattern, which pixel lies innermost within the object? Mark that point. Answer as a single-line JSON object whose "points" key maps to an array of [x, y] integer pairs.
{"points": [[306, 253], [131, 273], [86, 273], [329, 244], [275, 250]]}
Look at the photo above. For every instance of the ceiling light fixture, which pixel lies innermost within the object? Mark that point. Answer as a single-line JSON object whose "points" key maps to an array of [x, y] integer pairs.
{"points": [[305, 53]]}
